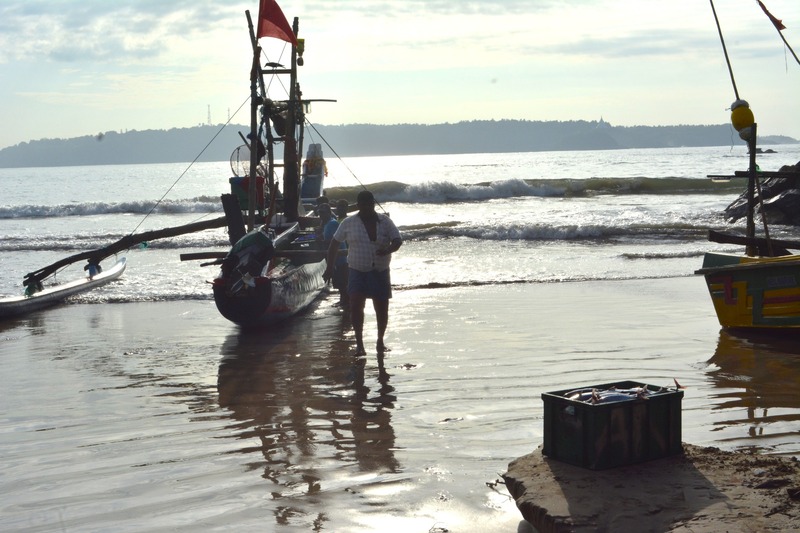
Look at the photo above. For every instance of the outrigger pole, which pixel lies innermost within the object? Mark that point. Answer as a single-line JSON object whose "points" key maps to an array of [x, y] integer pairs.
{"points": [[95, 256]]}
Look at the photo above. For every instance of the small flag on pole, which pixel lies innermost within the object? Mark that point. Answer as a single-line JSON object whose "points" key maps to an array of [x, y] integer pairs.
{"points": [[272, 23], [776, 22]]}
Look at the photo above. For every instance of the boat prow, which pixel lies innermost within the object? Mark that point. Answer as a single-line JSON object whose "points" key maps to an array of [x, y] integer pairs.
{"points": [[266, 280], [20, 305], [754, 292]]}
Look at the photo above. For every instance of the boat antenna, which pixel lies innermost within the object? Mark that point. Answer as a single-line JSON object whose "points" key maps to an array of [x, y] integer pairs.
{"points": [[725, 50]]}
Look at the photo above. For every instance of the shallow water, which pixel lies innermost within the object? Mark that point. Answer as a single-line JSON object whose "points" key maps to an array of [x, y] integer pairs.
{"points": [[162, 416], [136, 407]]}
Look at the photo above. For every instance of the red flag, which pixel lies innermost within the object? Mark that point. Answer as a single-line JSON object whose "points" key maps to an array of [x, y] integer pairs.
{"points": [[272, 23], [778, 23]]}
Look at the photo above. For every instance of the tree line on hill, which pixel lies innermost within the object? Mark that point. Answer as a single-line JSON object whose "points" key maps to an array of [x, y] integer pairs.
{"points": [[349, 140]]}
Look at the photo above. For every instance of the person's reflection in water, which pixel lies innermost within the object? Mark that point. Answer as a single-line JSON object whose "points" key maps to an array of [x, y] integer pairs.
{"points": [[314, 409], [371, 425]]}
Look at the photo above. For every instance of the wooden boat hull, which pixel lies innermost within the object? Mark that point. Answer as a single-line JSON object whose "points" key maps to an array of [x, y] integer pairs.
{"points": [[758, 293], [20, 305], [266, 280], [274, 297]]}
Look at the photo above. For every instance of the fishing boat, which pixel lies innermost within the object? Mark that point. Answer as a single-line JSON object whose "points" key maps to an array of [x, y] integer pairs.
{"points": [[758, 290], [274, 267], [39, 297]]}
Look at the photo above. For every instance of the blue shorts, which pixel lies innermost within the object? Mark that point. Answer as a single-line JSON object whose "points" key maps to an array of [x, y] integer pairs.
{"points": [[373, 284]]}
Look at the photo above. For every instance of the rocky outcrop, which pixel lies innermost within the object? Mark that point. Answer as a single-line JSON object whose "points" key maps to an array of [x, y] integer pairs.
{"points": [[781, 200]]}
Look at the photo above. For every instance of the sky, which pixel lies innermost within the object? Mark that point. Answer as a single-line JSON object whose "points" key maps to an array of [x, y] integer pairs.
{"points": [[71, 68]]}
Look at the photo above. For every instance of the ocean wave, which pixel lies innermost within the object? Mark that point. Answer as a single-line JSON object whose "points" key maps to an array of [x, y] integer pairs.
{"points": [[80, 243], [449, 192], [558, 279], [521, 231], [686, 254], [434, 192], [512, 231], [202, 204]]}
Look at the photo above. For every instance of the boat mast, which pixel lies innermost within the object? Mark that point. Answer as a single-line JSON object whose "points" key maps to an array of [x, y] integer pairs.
{"points": [[291, 166], [255, 102], [751, 191]]}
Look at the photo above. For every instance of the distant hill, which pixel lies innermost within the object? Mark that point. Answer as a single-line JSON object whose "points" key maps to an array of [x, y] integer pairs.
{"points": [[479, 136]]}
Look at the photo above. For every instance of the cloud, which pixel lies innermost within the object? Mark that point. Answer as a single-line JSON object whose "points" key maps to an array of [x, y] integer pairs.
{"points": [[421, 8], [101, 30]]}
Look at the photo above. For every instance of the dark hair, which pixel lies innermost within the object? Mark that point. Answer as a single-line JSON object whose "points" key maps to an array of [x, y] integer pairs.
{"points": [[365, 196]]}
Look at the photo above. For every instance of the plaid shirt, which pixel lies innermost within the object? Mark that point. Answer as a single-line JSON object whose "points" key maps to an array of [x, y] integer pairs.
{"points": [[360, 250]]}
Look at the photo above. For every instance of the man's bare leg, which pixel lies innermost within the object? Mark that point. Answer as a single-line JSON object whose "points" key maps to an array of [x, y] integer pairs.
{"points": [[357, 303], [382, 318]]}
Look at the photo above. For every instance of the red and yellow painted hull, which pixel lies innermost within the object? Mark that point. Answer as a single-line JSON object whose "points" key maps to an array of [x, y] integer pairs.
{"points": [[754, 292]]}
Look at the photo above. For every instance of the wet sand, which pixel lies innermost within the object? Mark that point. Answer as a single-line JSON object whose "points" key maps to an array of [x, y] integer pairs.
{"points": [[163, 416]]}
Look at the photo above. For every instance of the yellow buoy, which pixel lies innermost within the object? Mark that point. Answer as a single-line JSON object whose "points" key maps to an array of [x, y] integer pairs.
{"points": [[741, 115]]}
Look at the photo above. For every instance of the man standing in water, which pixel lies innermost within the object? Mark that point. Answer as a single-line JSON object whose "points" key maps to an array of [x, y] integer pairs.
{"points": [[371, 240]]}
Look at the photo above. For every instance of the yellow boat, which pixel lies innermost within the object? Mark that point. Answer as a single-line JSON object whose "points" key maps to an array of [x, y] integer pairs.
{"points": [[754, 292], [759, 290]]}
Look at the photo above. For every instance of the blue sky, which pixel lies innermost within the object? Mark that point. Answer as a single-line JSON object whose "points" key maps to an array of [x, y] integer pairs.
{"points": [[81, 67]]}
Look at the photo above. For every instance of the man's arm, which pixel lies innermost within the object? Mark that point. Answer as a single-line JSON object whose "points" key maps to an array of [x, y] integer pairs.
{"points": [[395, 245], [333, 251]]}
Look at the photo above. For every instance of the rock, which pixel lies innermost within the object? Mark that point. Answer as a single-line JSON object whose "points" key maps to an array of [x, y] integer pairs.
{"points": [[781, 200], [703, 490]]}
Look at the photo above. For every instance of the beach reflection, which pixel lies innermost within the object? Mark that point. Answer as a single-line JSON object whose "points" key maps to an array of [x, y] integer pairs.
{"points": [[317, 414], [757, 383]]}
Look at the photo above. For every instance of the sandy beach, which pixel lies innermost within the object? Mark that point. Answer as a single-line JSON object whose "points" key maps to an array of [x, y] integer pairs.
{"points": [[163, 416]]}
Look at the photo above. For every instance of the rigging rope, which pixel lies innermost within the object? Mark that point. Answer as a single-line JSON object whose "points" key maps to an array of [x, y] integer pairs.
{"points": [[724, 50], [778, 26], [310, 125], [189, 167]]}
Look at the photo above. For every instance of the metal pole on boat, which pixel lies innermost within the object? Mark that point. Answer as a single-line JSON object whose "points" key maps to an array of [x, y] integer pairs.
{"points": [[291, 177], [254, 104], [251, 193], [751, 250]]}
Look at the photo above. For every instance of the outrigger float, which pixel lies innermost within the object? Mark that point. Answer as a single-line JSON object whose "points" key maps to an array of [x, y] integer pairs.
{"points": [[38, 297]]}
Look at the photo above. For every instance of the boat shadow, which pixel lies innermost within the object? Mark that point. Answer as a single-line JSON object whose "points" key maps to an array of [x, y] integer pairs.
{"points": [[757, 378], [298, 398]]}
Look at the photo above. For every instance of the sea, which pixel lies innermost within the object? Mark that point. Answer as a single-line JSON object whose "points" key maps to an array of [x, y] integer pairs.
{"points": [[470, 219], [137, 407]]}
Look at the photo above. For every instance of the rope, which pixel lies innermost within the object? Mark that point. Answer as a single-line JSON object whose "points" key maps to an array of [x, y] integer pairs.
{"points": [[725, 50], [764, 218], [189, 167], [310, 125]]}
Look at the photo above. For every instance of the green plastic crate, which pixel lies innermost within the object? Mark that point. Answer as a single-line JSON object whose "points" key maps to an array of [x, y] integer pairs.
{"points": [[607, 435]]}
